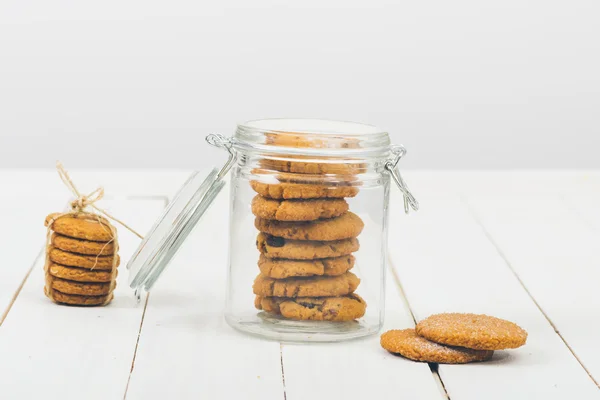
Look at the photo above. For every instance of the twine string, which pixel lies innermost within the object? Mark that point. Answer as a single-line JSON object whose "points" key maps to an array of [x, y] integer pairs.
{"points": [[81, 202]]}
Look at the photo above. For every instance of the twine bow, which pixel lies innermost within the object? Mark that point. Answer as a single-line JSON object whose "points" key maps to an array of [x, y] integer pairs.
{"points": [[81, 201]]}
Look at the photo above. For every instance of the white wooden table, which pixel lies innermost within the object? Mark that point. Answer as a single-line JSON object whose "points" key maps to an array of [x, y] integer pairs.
{"points": [[518, 245]]}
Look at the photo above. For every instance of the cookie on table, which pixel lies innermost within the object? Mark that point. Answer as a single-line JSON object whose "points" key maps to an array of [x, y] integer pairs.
{"points": [[81, 288], [408, 344], [340, 308], [473, 331], [346, 226], [80, 260], [80, 274], [81, 246], [283, 268], [83, 226], [277, 247], [302, 191], [298, 210], [77, 300], [318, 286]]}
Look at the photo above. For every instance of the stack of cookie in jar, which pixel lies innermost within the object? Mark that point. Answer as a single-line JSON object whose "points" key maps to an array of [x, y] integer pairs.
{"points": [[81, 259], [307, 235]]}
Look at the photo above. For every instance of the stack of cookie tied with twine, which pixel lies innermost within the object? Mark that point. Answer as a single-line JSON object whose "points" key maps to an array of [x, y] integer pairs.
{"points": [[306, 240], [82, 250], [454, 338], [81, 259]]}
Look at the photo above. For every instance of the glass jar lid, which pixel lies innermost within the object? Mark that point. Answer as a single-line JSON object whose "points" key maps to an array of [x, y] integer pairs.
{"points": [[171, 229], [311, 137], [176, 222]]}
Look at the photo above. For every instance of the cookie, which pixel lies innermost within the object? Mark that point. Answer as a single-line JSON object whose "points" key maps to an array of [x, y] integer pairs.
{"points": [[268, 176], [346, 226], [83, 226], [298, 210], [282, 268], [85, 289], [302, 191], [81, 246], [80, 274], [311, 165], [410, 345], [342, 308], [306, 287], [77, 300], [310, 140], [82, 261], [473, 331], [277, 247]]}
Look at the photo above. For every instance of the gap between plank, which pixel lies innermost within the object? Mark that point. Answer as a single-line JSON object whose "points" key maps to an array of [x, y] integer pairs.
{"points": [[23, 281], [137, 342], [282, 373], [514, 272], [165, 200], [432, 366]]}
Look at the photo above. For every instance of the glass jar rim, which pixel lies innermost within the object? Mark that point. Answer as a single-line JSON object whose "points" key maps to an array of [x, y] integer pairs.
{"points": [[331, 135]]}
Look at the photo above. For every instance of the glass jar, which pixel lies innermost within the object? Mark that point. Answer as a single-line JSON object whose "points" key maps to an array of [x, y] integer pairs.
{"points": [[308, 227]]}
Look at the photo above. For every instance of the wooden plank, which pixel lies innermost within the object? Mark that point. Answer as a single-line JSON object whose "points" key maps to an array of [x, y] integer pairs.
{"points": [[22, 215], [552, 247], [361, 368], [447, 264], [59, 352], [186, 350]]}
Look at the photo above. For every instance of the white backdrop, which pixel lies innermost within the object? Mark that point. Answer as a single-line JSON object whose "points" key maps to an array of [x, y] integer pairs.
{"points": [[463, 84]]}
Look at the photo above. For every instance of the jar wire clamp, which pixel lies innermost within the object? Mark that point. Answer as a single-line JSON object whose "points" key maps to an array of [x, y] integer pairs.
{"points": [[222, 142], [392, 166]]}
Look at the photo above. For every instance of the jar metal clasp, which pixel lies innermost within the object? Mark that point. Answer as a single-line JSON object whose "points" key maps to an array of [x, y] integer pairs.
{"points": [[222, 142], [392, 166]]}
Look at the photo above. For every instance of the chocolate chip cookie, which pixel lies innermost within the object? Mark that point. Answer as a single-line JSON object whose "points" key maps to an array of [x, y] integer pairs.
{"points": [[297, 210], [309, 164], [302, 191], [340, 308], [277, 247], [346, 226], [283, 268], [318, 286]]}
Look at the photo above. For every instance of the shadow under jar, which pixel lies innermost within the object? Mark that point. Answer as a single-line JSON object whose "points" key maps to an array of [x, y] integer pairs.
{"points": [[308, 228]]}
